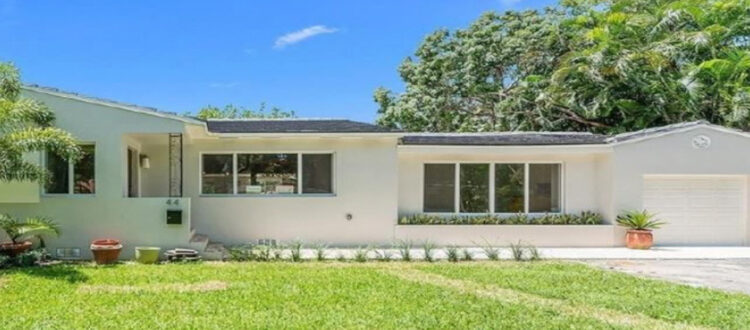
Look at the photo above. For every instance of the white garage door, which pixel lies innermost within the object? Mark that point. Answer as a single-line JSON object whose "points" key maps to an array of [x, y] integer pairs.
{"points": [[700, 210]]}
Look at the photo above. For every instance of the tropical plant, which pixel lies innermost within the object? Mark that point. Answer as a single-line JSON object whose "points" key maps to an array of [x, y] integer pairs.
{"points": [[429, 251], [490, 251], [361, 254], [383, 255], [467, 255], [26, 126], [524, 252], [340, 257], [19, 231], [241, 252], [452, 253], [606, 66], [320, 251], [262, 253], [295, 251], [583, 218], [639, 220], [404, 248]]}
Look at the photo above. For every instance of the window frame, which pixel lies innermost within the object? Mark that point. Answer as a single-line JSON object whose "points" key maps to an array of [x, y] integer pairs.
{"points": [[235, 177], [492, 164], [71, 176]]}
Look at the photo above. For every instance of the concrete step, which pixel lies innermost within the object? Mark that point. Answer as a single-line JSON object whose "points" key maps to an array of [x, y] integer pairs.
{"points": [[199, 242]]}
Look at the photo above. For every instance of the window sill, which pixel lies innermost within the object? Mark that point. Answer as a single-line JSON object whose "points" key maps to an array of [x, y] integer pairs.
{"points": [[68, 195]]}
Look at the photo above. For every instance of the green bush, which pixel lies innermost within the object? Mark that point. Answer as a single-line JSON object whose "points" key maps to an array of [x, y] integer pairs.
{"points": [[583, 218]]}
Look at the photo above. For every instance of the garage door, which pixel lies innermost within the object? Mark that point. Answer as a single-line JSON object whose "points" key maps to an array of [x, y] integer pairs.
{"points": [[700, 210]]}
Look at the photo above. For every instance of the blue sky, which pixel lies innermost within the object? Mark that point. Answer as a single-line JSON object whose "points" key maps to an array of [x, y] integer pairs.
{"points": [[321, 59]]}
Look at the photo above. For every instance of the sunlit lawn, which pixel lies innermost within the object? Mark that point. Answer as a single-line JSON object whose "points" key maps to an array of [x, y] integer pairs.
{"points": [[351, 295]]}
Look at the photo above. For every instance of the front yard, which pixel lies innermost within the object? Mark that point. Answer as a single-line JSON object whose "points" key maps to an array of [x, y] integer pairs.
{"points": [[352, 295]]}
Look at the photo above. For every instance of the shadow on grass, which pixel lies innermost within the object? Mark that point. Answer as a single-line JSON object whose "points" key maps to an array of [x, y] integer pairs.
{"points": [[61, 272]]}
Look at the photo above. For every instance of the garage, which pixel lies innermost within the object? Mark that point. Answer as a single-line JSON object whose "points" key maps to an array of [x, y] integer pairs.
{"points": [[699, 210]]}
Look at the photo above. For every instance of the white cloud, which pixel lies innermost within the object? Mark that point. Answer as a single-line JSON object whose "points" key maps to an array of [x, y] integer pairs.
{"points": [[297, 36]]}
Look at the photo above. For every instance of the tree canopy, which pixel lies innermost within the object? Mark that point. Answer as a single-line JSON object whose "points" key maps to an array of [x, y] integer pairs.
{"points": [[601, 66], [233, 112], [26, 126]]}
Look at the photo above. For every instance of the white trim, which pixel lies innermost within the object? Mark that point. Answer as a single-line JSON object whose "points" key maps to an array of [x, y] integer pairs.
{"points": [[235, 177], [526, 188], [115, 105], [613, 140]]}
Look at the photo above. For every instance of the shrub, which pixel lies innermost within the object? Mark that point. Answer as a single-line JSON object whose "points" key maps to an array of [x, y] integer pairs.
{"points": [[429, 248], [467, 255], [524, 252], [320, 251], [583, 218], [383, 255], [340, 257], [278, 253], [639, 220], [490, 250], [361, 254], [295, 251], [262, 253], [452, 253], [404, 247], [241, 253]]}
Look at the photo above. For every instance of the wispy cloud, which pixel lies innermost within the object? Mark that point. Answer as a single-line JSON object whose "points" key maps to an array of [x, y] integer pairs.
{"points": [[232, 84], [508, 3], [297, 36]]}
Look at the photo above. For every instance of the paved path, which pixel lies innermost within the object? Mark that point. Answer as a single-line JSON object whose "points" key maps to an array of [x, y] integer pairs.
{"points": [[728, 274]]}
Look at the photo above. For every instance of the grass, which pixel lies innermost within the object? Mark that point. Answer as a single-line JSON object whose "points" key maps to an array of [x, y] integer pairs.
{"points": [[356, 295]]}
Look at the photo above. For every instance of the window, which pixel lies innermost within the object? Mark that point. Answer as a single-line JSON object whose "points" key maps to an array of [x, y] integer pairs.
{"points": [[318, 174], [217, 174], [76, 178], [509, 188], [517, 187], [439, 187], [544, 188], [475, 188], [267, 174]]}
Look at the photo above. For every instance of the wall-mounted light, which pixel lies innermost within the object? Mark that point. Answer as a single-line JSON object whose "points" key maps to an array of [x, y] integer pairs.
{"points": [[145, 162]]}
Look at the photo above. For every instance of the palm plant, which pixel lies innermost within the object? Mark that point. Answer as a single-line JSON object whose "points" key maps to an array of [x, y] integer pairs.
{"points": [[25, 127], [19, 231], [639, 220]]}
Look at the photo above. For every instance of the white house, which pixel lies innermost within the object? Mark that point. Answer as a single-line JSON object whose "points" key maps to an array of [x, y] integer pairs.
{"points": [[347, 183]]}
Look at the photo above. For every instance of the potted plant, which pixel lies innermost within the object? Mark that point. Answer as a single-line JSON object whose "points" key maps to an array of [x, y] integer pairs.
{"points": [[147, 254], [19, 233], [639, 224], [106, 250]]}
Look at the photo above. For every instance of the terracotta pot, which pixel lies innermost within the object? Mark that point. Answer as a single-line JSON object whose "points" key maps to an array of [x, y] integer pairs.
{"points": [[12, 250], [639, 239], [106, 251]]}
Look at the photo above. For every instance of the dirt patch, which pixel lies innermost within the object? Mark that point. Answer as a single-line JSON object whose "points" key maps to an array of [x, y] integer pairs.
{"points": [[174, 287], [516, 297]]}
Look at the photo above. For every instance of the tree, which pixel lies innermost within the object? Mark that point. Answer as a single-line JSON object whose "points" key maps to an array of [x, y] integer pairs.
{"points": [[603, 66], [234, 112], [25, 127]]}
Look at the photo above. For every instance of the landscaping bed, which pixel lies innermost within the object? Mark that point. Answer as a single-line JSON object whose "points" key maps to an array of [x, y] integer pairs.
{"points": [[496, 294]]}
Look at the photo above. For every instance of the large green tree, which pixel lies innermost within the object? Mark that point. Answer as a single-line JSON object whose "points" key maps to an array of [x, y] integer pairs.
{"points": [[234, 112], [603, 66], [26, 126]]}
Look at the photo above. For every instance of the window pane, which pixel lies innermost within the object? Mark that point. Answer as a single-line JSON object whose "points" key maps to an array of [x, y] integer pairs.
{"points": [[83, 172], [439, 187], [509, 188], [58, 180], [217, 174], [267, 174], [317, 174], [475, 188], [544, 187]]}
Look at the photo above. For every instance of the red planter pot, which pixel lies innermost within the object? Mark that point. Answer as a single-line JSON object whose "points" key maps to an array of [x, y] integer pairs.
{"points": [[12, 250], [639, 239], [106, 251]]}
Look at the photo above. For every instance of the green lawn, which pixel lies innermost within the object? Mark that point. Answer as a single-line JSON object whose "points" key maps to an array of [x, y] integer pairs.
{"points": [[349, 295]]}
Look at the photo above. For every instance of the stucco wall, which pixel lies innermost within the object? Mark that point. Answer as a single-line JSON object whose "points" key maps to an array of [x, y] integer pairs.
{"points": [[581, 189], [365, 185], [108, 213]]}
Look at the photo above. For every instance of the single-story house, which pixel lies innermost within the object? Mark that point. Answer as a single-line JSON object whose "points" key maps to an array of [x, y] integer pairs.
{"points": [[160, 179]]}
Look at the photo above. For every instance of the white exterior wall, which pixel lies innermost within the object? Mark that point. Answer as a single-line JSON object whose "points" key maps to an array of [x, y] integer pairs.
{"points": [[673, 154], [581, 189], [365, 185], [107, 213]]}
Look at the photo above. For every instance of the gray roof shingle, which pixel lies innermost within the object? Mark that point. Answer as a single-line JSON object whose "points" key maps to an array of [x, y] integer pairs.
{"points": [[292, 126], [504, 139]]}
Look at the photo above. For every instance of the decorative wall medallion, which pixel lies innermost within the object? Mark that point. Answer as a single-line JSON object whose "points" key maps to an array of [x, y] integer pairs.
{"points": [[701, 142]]}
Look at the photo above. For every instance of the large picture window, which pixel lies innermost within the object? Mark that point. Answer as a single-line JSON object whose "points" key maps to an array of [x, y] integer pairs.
{"points": [[267, 174], [517, 188], [439, 187], [72, 178]]}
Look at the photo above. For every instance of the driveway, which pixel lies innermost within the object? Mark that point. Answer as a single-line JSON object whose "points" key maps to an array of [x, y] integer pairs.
{"points": [[727, 274]]}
